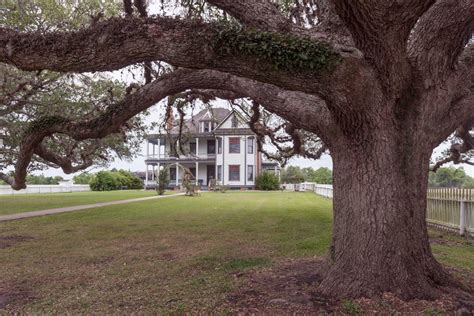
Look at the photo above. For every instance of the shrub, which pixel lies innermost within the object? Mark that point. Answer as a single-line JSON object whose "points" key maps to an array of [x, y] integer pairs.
{"points": [[129, 180], [163, 181], [267, 181], [105, 181], [83, 178], [115, 180]]}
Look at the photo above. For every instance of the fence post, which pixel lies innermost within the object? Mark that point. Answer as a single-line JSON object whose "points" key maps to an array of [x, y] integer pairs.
{"points": [[462, 218]]}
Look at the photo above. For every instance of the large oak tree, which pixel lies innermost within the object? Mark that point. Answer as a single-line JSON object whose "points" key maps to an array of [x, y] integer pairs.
{"points": [[381, 83]]}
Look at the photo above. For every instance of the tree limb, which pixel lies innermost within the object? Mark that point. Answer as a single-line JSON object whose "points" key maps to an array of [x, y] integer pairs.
{"points": [[458, 149], [440, 37], [115, 43], [380, 29], [64, 163], [259, 14]]}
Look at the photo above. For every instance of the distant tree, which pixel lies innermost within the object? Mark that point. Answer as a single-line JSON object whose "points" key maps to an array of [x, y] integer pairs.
{"points": [[322, 175], [292, 174], [267, 181], [83, 178], [42, 179], [450, 177], [105, 181]]}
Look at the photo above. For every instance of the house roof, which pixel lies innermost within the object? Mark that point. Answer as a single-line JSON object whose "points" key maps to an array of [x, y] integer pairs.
{"points": [[191, 125]]}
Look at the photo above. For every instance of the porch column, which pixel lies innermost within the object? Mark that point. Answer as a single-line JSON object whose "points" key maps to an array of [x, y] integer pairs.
{"points": [[146, 175], [159, 148], [197, 172], [197, 148], [158, 171], [177, 174]]}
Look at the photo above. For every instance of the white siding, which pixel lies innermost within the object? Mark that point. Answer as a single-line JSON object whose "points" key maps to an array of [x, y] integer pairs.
{"points": [[243, 159]]}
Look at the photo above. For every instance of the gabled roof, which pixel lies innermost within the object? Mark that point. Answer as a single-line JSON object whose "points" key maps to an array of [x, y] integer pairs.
{"points": [[191, 125], [231, 113]]}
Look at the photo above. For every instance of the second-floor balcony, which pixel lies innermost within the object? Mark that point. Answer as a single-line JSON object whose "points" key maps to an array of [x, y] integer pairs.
{"points": [[185, 157]]}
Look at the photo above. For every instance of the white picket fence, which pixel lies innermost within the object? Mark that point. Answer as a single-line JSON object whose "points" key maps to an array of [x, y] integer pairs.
{"points": [[449, 209], [321, 189], [42, 188]]}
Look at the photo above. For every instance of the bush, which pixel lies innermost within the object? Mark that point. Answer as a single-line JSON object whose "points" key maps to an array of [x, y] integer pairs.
{"points": [[163, 181], [115, 180], [267, 181], [129, 180], [83, 178], [105, 181]]}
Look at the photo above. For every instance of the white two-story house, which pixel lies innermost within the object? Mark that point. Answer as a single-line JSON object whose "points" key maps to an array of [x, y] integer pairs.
{"points": [[215, 144]]}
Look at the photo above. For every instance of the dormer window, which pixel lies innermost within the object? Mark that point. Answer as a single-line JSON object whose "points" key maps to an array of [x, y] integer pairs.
{"points": [[206, 126]]}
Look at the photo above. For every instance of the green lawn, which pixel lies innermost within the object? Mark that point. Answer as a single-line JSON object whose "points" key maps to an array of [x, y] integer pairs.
{"points": [[160, 256], [10, 204]]}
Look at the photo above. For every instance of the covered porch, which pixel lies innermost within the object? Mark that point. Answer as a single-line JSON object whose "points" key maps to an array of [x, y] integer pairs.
{"points": [[203, 173]]}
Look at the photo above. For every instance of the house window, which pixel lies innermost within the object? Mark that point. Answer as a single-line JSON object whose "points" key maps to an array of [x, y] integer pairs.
{"points": [[219, 173], [192, 148], [235, 121], [234, 145], [219, 145], [205, 126], [211, 146], [250, 173], [234, 172], [250, 145]]}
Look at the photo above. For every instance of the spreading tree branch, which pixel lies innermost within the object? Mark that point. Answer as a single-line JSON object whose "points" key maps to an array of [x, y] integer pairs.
{"points": [[259, 14], [115, 43], [459, 150], [440, 37]]}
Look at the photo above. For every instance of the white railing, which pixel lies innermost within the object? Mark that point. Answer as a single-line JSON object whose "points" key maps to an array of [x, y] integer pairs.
{"points": [[450, 209], [182, 157], [40, 188]]}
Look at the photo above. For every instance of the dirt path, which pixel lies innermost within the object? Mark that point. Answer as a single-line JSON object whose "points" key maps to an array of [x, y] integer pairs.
{"points": [[51, 211]]}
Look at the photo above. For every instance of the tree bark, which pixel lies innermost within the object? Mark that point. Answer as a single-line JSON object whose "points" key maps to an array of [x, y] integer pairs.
{"points": [[380, 240]]}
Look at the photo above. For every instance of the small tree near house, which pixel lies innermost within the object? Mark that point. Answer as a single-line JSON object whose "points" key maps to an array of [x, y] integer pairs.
{"points": [[267, 181], [163, 181]]}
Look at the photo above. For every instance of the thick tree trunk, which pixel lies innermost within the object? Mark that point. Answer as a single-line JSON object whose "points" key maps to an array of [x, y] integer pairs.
{"points": [[380, 241]]}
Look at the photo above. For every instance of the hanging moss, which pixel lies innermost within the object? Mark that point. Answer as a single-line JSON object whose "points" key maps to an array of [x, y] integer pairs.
{"points": [[282, 51]]}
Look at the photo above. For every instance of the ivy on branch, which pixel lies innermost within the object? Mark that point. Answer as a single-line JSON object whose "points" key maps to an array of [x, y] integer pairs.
{"points": [[283, 51]]}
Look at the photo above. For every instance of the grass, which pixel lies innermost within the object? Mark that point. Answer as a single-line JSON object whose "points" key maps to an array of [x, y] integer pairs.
{"points": [[10, 204], [453, 250], [178, 255]]}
